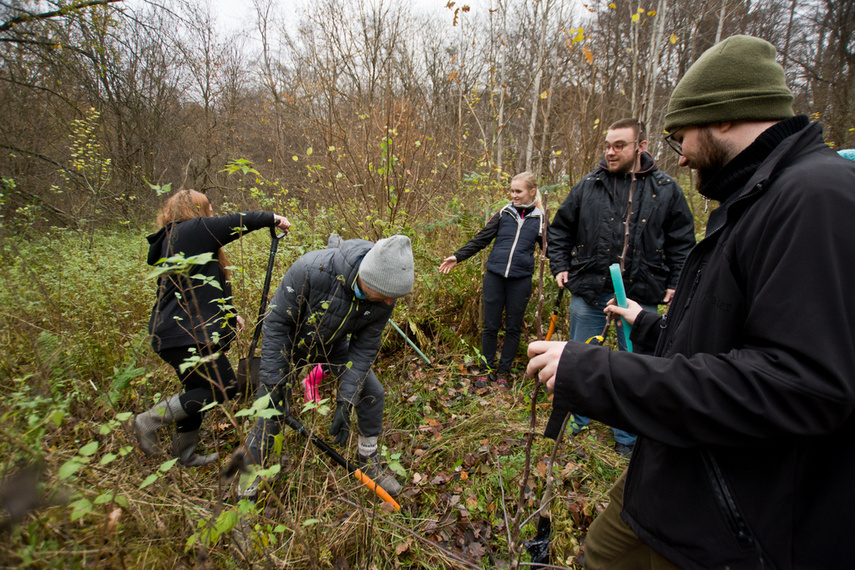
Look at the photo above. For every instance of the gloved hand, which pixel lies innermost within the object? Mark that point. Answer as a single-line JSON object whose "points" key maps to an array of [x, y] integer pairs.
{"points": [[340, 427]]}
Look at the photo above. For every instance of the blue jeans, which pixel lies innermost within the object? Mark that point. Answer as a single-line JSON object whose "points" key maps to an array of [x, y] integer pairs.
{"points": [[590, 320]]}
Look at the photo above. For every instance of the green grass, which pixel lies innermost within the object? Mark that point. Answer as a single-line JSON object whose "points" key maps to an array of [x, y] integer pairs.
{"points": [[75, 365]]}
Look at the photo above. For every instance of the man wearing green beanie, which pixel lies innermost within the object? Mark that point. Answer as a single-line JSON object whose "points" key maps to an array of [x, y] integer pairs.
{"points": [[746, 409]]}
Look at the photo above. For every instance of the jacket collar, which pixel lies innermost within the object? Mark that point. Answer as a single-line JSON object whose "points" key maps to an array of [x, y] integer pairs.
{"points": [[740, 169], [810, 133]]}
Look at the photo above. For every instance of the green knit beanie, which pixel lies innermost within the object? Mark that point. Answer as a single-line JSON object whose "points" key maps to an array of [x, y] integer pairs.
{"points": [[737, 79]]}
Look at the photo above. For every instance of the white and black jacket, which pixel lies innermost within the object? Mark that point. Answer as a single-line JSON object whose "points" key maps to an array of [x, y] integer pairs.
{"points": [[516, 233]]}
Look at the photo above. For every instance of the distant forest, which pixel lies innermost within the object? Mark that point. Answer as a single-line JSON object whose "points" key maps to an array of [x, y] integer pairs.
{"points": [[359, 105]]}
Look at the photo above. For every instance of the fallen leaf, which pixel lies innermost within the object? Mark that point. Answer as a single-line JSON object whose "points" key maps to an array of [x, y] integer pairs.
{"points": [[402, 548]]}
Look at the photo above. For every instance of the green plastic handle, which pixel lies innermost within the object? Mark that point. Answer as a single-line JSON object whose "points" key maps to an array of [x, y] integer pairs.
{"points": [[620, 297]]}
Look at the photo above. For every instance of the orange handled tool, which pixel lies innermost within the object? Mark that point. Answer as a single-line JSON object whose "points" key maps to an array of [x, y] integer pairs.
{"points": [[555, 310], [295, 424], [380, 491]]}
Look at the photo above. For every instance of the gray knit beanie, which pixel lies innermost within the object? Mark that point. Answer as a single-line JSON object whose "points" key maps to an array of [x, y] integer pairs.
{"points": [[737, 79], [388, 267]]}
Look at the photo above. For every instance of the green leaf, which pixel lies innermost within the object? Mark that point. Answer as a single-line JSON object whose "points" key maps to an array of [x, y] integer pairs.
{"points": [[56, 417], [109, 458], [124, 416], [149, 480], [226, 521], [167, 465], [79, 508], [89, 449], [69, 468], [269, 413], [104, 498], [310, 522]]}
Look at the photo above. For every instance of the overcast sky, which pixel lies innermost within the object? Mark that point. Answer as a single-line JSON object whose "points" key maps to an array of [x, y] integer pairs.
{"points": [[240, 14]]}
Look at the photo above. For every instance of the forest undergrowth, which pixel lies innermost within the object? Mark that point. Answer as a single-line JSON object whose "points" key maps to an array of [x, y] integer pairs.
{"points": [[75, 365]]}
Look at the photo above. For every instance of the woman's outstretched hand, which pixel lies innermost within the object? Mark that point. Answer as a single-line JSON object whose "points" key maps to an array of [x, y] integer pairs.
{"points": [[448, 264]]}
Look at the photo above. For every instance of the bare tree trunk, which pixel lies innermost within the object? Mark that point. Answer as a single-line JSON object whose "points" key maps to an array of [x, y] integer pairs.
{"points": [[653, 69], [633, 37], [786, 54], [500, 125], [545, 153], [535, 90], [721, 21]]}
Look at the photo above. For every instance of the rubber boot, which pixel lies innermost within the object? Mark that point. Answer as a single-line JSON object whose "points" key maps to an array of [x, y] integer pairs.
{"points": [[184, 448], [374, 467], [258, 446], [147, 423]]}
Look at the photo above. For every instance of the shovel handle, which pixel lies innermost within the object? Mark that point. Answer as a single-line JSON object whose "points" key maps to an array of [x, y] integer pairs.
{"points": [[380, 491]]}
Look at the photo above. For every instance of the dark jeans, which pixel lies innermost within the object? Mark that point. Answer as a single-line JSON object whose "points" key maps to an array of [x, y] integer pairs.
{"points": [[508, 295], [211, 381]]}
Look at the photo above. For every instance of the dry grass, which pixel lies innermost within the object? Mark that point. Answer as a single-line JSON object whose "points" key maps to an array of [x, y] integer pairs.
{"points": [[71, 337]]}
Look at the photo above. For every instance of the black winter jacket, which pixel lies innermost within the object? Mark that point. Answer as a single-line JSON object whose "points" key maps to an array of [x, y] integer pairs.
{"points": [[315, 317], [586, 235], [190, 309], [513, 253], [747, 451]]}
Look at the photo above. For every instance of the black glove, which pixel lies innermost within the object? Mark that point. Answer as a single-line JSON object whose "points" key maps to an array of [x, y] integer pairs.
{"points": [[340, 427]]}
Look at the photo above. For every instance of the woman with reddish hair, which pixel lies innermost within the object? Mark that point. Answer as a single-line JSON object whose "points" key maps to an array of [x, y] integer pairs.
{"points": [[193, 323]]}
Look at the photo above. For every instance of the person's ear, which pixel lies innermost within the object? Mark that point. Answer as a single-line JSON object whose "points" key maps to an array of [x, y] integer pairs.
{"points": [[642, 146], [725, 126]]}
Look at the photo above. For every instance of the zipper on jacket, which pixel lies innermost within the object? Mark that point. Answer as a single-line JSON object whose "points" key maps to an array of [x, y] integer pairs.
{"points": [[520, 221], [663, 324], [513, 247], [722, 493], [679, 316]]}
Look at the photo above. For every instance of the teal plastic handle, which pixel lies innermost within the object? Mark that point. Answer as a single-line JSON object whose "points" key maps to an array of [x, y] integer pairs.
{"points": [[620, 297]]}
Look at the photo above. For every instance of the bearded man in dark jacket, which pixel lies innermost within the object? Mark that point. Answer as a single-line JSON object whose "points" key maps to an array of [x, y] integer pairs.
{"points": [[330, 309], [745, 413], [587, 235]]}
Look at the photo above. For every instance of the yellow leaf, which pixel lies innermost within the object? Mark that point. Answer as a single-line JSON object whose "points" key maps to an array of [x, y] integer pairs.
{"points": [[544, 95], [580, 36], [641, 10], [612, 6], [651, 13], [557, 152], [635, 18], [309, 151], [332, 148], [596, 122], [673, 38], [294, 158]]}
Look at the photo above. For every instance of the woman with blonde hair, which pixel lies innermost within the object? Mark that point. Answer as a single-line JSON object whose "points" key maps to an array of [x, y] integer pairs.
{"points": [[192, 323], [517, 227]]}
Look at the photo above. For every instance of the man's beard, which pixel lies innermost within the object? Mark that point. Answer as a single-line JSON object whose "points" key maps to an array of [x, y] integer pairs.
{"points": [[713, 157]]}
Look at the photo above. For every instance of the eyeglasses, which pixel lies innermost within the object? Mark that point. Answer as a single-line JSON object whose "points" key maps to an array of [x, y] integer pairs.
{"points": [[617, 146], [675, 146]]}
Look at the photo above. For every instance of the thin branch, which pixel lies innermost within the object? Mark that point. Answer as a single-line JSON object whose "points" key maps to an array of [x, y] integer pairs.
{"points": [[9, 24]]}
